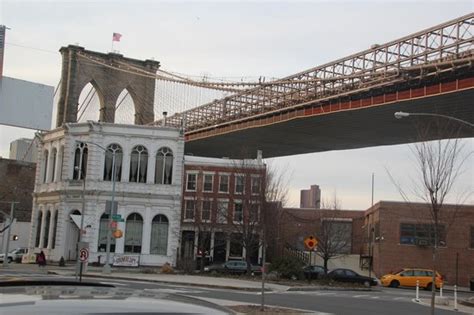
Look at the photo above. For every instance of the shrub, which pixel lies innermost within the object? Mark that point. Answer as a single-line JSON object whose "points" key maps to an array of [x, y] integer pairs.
{"points": [[288, 267]]}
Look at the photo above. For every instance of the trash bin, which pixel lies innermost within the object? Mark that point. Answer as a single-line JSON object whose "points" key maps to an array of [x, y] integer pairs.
{"points": [[472, 284]]}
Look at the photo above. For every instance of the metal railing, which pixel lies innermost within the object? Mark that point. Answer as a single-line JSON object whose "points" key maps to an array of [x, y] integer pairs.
{"points": [[439, 48]]}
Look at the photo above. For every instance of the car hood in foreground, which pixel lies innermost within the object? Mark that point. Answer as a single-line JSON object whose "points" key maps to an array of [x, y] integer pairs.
{"points": [[51, 300]]}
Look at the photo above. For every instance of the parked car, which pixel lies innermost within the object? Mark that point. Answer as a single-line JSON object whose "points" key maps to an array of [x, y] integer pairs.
{"points": [[350, 276], [407, 278], [14, 255], [232, 267], [313, 272]]}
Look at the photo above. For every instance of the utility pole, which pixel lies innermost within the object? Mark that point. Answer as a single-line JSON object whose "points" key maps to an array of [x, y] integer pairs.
{"points": [[12, 210]]}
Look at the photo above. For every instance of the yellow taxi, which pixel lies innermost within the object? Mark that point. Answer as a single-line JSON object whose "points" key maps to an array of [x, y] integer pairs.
{"points": [[408, 278]]}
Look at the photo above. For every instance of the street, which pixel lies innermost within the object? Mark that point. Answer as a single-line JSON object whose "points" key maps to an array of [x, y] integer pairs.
{"points": [[379, 301]]}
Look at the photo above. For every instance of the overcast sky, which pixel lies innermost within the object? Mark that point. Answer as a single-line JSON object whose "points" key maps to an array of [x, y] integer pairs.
{"points": [[234, 39]]}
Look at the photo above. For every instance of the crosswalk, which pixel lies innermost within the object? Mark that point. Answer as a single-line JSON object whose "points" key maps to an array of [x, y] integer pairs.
{"points": [[354, 295]]}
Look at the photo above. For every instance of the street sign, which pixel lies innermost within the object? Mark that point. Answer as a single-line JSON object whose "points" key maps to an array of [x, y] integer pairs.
{"points": [[113, 225], [84, 254], [116, 217], [117, 234], [310, 242]]}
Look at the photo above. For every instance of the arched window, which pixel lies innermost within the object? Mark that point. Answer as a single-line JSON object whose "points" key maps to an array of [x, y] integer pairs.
{"points": [[138, 164], [80, 161], [38, 228], [103, 230], [133, 233], [52, 164], [109, 157], [164, 166], [55, 229], [46, 229], [159, 235], [45, 166]]}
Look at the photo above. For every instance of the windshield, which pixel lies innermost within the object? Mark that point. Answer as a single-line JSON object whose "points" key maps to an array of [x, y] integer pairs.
{"points": [[233, 152]]}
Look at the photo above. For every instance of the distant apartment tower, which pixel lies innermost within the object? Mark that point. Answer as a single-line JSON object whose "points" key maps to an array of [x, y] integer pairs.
{"points": [[23, 149], [311, 198]]}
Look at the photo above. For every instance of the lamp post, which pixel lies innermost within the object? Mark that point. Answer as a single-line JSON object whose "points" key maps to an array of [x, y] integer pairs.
{"points": [[81, 232], [107, 268], [400, 115]]}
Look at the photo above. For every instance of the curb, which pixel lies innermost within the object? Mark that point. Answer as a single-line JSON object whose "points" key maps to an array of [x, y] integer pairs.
{"points": [[329, 289], [171, 282]]}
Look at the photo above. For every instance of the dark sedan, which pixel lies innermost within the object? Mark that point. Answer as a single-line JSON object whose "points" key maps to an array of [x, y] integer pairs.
{"points": [[350, 276], [313, 272], [232, 267]]}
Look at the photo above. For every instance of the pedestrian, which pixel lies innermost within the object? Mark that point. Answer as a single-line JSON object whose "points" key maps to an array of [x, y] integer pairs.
{"points": [[41, 259]]}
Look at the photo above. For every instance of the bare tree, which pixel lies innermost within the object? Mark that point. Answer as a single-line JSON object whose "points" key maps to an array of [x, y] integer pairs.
{"points": [[259, 195], [438, 165], [334, 235]]}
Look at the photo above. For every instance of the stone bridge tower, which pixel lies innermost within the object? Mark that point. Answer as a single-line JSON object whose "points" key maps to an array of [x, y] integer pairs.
{"points": [[80, 67]]}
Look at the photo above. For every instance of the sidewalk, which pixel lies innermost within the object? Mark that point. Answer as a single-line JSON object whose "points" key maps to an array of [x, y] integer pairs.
{"points": [[194, 280]]}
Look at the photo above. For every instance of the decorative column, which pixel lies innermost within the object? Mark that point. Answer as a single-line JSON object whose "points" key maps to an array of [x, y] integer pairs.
{"points": [[150, 177], [43, 220], [146, 235], [51, 229]]}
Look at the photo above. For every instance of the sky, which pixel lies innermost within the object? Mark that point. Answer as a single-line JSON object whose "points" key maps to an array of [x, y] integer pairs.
{"points": [[237, 39]]}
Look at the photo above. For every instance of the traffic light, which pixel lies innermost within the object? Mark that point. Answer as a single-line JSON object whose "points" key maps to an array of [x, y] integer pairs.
{"points": [[15, 238]]}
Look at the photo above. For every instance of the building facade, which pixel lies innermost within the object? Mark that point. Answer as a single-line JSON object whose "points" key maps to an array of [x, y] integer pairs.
{"points": [[221, 209], [24, 150], [17, 186], [310, 198], [75, 176], [400, 235]]}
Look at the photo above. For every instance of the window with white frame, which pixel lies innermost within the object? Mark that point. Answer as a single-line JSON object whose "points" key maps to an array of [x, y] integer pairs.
{"points": [[113, 150], [54, 154], [164, 166], [222, 211], [238, 211], [191, 179], [208, 180], [159, 235], [45, 166], [206, 210], [190, 209], [80, 161], [255, 185], [133, 233], [239, 184], [138, 164], [254, 210], [224, 183]]}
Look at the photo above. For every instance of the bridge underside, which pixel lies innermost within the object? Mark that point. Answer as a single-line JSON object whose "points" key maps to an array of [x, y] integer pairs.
{"points": [[351, 128]]}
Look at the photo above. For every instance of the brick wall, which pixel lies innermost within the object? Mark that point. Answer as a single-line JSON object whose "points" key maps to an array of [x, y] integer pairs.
{"points": [[390, 255], [18, 179]]}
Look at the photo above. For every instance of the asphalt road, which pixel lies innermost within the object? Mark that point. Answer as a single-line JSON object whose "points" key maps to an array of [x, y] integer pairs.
{"points": [[379, 301]]}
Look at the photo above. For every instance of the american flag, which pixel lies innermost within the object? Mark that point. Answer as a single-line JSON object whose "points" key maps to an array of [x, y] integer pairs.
{"points": [[116, 37]]}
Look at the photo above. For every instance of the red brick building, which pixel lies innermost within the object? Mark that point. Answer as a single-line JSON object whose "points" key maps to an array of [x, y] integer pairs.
{"points": [[399, 235], [394, 235], [221, 208]]}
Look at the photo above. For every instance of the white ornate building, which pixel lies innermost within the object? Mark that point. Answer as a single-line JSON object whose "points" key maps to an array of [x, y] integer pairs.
{"points": [[149, 167]]}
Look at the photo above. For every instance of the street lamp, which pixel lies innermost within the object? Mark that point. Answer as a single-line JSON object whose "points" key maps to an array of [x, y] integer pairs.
{"points": [[400, 115], [107, 268]]}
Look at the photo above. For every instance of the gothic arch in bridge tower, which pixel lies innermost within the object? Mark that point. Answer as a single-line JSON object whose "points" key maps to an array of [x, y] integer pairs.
{"points": [[125, 107], [80, 67], [90, 102]]}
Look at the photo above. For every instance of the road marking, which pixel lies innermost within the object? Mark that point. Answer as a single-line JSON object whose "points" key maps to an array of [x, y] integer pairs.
{"points": [[113, 283], [375, 297], [359, 296]]}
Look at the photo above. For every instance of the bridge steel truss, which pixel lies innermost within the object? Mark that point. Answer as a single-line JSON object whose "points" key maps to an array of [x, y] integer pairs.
{"points": [[444, 48]]}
